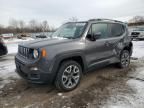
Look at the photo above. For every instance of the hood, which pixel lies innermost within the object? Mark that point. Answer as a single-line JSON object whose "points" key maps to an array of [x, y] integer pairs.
{"points": [[45, 42]]}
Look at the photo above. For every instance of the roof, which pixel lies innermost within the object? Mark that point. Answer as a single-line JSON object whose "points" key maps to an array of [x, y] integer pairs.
{"points": [[99, 19], [103, 19]]}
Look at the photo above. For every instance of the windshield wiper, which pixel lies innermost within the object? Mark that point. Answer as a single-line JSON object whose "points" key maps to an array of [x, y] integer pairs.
{"points": [[65, 37], [69, 37]]}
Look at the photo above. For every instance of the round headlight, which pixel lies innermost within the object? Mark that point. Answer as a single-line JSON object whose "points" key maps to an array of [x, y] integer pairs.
{"points": [[35, 53]]}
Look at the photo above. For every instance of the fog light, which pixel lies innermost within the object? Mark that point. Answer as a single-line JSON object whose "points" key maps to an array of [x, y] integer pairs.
{"points": [[34, 68]]}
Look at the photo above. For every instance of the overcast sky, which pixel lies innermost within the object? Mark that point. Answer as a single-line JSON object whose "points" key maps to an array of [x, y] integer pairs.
{"points": [[58, 11]]}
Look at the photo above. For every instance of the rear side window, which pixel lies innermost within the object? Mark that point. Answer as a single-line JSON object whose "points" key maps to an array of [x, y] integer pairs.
{"points": [[116, 30]]}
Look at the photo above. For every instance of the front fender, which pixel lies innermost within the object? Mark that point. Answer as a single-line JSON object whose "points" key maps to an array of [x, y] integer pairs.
{"points": [[67, 55]]}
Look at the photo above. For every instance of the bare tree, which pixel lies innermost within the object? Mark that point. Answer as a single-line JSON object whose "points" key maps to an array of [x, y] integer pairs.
{"points": [[13, 23], [33, 24], [137, 19], [52, 29], [45, 26], [38, 27], [21, 25], [1, 29], [73, 19]]}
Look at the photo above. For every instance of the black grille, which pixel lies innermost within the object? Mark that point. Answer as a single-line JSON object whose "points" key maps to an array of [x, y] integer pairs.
{"points": [[135, 33], [25, 52]]}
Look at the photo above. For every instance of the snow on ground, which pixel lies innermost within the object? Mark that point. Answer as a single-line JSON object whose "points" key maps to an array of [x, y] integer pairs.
{"points": [[12, 44], [15, 40], [7, 65], [138, 49], [12, 48], [130, 96], [7, 70], [138, 95]]}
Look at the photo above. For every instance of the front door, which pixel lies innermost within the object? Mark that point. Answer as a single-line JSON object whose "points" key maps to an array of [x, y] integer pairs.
{"points": [[96, 50]]}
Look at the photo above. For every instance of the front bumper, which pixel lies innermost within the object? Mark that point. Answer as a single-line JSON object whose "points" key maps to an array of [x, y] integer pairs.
{"points": [[34, 76], [137, 36]]}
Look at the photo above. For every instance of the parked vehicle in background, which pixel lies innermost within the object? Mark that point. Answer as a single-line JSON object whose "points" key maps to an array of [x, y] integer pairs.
{"points": [[138, 33], [22, 35], [73, 49], [7, 36], [41, 35], [3, 47]]}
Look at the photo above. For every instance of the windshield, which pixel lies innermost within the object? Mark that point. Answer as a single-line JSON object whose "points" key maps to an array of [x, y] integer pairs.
{"points": [[70, 30]]}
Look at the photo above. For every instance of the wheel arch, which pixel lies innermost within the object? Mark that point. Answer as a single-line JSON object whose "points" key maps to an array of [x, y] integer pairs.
{"points": [[76, 56], [129, 47]]}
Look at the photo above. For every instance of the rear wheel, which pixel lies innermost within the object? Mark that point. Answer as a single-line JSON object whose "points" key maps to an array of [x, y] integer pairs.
{"points": [[68, 76], [124, 59]]}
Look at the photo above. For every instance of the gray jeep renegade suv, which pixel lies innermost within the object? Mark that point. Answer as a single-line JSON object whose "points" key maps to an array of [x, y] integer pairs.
{"points": [[72, 50]]}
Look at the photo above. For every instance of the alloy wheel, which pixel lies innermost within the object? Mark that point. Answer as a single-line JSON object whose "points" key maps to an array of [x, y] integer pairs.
{"points": [[71, 76]]}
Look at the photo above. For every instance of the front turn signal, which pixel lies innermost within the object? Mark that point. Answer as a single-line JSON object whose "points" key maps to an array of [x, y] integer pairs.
{"points": [[44, 53]]}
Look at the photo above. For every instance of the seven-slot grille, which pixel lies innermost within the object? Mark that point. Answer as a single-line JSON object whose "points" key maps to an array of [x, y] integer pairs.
{"points": [[24, 51]]}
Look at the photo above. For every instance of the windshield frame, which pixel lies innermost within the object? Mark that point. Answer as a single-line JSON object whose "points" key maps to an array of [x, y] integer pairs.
{"points": [[74, 37]]}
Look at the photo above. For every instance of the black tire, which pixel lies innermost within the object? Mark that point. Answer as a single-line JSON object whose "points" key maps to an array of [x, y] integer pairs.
{"points": [[124, 59], [59, 82]]}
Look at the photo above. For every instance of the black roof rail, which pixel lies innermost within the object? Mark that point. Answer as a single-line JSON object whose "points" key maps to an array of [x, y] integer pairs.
{"points": [[101, 19]]}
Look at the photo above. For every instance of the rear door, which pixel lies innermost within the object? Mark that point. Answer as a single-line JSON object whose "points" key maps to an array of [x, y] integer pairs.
{"points": [[115, 40]]}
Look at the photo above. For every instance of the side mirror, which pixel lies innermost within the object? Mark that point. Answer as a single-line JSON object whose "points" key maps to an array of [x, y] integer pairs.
{"points": [[96, 36]]}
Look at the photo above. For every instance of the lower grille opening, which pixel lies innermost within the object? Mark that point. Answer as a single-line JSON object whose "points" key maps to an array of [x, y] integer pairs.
{"points": [[34, 76]]}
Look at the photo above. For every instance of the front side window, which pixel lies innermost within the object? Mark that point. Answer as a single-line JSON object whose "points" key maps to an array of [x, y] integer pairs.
{"points": [[99, 28], [117, 30], [70, 30]]}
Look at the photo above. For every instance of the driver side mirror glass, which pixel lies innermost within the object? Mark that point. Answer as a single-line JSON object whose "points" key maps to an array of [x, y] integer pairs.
{"points": [[94, 37]]}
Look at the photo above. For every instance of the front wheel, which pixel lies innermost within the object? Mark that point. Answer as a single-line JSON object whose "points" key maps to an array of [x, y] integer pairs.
{"points": [[124, 59], [68, 76]]}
